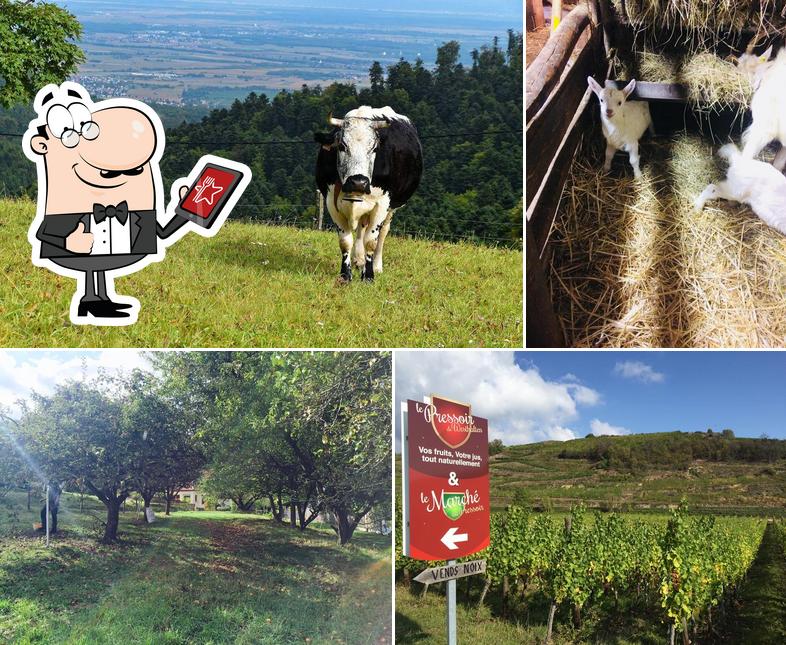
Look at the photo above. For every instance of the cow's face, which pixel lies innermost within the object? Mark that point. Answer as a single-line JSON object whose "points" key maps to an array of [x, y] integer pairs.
{"points": [[357, 140]]}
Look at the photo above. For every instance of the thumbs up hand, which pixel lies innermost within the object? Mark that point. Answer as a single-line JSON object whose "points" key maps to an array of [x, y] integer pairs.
{"points": [[78, 241]]}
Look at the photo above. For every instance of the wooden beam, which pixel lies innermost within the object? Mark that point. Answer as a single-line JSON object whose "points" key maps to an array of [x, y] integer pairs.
{"points": [[546, 70], [548, 128], [646, 91], [543, 328], [535, 19]]}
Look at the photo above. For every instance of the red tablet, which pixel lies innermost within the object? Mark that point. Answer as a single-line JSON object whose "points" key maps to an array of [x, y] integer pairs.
{"points": [[206, 197]]}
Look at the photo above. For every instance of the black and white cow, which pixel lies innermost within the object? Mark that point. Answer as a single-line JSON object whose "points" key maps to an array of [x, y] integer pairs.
{"points": [[368, 166]]}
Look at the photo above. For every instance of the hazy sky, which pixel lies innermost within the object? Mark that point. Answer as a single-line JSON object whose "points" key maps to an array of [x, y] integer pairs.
{"points": [[534, 396], [23, 371]]}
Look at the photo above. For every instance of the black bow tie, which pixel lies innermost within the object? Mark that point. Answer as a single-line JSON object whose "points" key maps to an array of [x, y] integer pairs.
{"points": [[101, 212]]}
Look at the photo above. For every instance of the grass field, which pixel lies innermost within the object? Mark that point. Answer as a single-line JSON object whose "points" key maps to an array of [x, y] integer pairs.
{"points": [[261, 286], [196, 577]]}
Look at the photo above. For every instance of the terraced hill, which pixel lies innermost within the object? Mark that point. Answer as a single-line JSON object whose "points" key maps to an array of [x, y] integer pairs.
{"points": [[644, 472]]}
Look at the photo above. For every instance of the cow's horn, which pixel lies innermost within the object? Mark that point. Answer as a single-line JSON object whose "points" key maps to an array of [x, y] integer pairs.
{"points": [[380, 123], [336, 122]]}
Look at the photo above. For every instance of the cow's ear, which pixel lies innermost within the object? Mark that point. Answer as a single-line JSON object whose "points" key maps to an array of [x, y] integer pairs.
{"points": [[326, 139]]}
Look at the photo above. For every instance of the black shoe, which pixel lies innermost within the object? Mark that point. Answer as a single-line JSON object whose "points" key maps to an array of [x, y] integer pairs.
{"points": [[101, 309], [118, 305]]}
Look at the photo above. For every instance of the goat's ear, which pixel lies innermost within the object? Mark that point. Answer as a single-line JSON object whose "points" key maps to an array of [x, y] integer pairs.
{"points": [[766, 55], [594, 85], [628, 89]]}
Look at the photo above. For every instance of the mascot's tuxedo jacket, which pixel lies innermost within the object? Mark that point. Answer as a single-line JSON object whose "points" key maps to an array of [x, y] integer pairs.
{"points": [[144, 231], [55, 228]]}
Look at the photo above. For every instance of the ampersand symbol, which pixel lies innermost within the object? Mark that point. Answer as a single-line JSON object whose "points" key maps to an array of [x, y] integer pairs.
{"points": [[452, 479]]}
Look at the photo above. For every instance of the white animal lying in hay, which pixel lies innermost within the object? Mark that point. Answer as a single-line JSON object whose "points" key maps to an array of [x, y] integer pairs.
{"points": [[751, 182], [623, 123], [768, 79]]}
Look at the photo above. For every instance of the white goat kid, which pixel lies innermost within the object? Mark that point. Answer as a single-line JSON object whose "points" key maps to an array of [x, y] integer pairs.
{"points": [[751, 182], [768, 80], [623, 123]]}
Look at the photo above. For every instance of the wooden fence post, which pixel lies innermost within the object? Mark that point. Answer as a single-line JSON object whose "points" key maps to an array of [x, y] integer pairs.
{"points": [[535, 19], [321, 207]]}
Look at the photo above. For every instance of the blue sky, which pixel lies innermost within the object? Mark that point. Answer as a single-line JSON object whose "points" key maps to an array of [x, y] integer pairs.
{"points": [[534, 396]]}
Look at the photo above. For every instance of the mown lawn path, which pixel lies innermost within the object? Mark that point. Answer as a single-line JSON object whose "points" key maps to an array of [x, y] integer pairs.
{"points": [[760, 610]]}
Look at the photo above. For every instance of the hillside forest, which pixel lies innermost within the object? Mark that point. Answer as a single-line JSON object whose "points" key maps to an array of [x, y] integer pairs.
{"points": [[468, 117]]}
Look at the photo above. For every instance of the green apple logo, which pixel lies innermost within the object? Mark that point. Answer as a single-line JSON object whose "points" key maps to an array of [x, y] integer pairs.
{"points": [[453, 505]]}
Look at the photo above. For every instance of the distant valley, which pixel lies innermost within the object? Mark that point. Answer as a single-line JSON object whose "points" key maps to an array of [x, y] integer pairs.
{"points": [[206, 52]]}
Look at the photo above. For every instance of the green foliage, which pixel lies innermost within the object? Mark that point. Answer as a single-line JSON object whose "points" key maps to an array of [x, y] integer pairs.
{"points": [[680, 568], [674, 450], [37, 48], [305, 430], [701, 560], [496, 447]]}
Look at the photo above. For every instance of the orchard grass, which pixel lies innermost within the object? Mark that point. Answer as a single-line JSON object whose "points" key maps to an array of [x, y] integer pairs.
{"points": [[266, 286], [195, 577]]}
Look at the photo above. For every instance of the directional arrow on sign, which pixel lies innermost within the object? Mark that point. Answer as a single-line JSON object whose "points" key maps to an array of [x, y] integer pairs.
{"points": [[451, 538]]}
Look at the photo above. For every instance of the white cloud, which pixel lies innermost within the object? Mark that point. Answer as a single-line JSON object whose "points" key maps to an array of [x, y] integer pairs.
{"points": [[599, 427], [25, 372], [522, 405], [638, 371]]}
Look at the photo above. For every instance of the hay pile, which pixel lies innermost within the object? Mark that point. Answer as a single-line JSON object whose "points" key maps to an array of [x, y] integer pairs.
{"points": [[702, 17], [635, 266], [713, 83]]}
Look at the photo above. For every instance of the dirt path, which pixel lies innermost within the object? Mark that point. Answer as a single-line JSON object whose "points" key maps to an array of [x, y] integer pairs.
{"points": [[760, 611]]}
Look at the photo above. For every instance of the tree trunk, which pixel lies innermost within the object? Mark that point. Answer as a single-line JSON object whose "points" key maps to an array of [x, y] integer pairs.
{"points": [[147, 499], [168, 504], [112, 520], [552, 611], [577, 615], [29, 495], [345, 527], [672, 633], [292, 515], [685, 637], [483, 593], [276, 509]]}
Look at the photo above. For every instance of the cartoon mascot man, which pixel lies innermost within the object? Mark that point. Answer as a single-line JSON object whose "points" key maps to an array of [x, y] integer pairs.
{"points": [[100, 196]]}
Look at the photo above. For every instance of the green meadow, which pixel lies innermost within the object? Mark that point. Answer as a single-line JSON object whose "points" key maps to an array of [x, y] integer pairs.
{"points": [[193, 577], [265, 286]]}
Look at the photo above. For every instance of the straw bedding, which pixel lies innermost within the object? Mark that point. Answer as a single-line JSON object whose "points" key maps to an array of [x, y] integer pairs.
{"points": [[634, 265]]}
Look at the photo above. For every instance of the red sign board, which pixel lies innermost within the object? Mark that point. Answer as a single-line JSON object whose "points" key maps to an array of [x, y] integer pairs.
{"points": [[446, 480]]}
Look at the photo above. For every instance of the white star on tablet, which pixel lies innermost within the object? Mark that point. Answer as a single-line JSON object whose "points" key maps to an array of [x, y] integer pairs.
{"points": [[207, 186]]}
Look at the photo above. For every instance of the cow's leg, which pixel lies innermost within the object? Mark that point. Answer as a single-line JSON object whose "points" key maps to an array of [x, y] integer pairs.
{"points": [[381, 241], [376, 221], [357, 251], [345, 244]]}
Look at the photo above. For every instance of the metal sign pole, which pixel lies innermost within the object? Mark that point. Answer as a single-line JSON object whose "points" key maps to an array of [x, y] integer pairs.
{"points": [[47, 514], [451, 608]]}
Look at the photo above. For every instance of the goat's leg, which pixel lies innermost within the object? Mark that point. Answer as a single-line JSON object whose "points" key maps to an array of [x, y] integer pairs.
{"points": [[633, 153], [721, 190], [610, 150], [755, 140], [780, 159]]}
